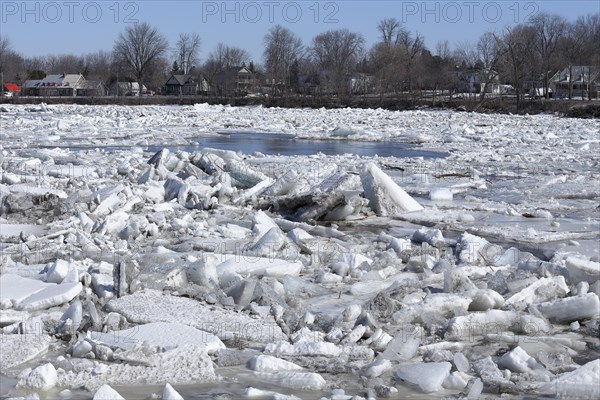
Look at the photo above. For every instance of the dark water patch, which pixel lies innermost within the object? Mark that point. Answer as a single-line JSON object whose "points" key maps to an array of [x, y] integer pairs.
{"points": [[286, 145]]}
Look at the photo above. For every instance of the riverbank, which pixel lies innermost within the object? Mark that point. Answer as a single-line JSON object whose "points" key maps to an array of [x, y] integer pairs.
{"points": [[501, 105]]}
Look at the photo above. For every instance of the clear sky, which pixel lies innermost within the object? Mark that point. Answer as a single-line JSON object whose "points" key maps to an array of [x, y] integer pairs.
{"points": [[79, 27]]}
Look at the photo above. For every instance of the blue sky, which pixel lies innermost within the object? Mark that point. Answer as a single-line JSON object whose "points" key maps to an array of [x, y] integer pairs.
{"points": [[78, 27]]}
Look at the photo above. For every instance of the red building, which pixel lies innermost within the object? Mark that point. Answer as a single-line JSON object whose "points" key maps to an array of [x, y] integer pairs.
{"points": [[11, 88]]}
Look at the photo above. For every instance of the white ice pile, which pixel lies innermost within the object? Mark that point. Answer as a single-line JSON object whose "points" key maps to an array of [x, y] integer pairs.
{"points": [[288, 277]]}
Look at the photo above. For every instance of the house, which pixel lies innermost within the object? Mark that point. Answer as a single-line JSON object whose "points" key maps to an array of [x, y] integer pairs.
{"points": [[63, 85], [578, 81], [360, 83], [185, 85], [92, 89], [236, 81], [537, 92], [476, 80], [11, 89], [309, 84], [125, 89]]}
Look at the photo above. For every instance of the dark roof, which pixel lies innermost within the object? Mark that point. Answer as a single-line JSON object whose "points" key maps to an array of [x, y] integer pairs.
{"points": [[182, 79]]}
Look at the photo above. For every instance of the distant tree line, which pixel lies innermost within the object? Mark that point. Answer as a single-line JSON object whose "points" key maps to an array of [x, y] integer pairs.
{"points": [[523, 56]]}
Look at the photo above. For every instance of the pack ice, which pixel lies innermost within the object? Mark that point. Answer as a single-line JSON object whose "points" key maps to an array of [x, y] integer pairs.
{"points": [[188, 269]]}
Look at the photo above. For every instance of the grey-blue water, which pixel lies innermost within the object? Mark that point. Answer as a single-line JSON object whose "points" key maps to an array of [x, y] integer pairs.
{"points": [[288, 145]]}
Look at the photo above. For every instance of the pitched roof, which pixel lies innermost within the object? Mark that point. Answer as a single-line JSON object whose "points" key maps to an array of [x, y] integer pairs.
{"points": [[578, 73], [63, 80], [12, 87], [91, 85], [180, 80]]}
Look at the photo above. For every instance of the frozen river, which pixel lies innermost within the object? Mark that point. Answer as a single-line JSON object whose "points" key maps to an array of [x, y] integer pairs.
{"points": [[285, 145], [271, 253]]}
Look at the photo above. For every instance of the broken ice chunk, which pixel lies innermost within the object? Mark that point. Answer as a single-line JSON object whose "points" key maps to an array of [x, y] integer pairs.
{"points": [[571, 309], [584, 382], [441, 194], [455, 381], [494, 321], [484, 299], [252, 265], [294, 380], [376, 368], [461, 362], [105, 392], [265, 363], [304, 349], [14, 288], [50, 296], [57, 271], [43, 378], [476, 389], [581, 269], [473, 249], [541, 290], [243, 175], [284, 184], [169, 393], [163, 334], [492, 376], [457, 281], [427, 376], [384, 195], [269, 243], [70, 320], [204, 272], [18, 349], [433, 237], [518, 360]]}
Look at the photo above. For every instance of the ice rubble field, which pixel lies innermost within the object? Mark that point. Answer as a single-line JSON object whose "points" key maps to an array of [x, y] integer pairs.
{"points": [[134, 274]]}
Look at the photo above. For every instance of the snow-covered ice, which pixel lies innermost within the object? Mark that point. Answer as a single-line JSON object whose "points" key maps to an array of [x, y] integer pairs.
{"points": [[465, 266]]}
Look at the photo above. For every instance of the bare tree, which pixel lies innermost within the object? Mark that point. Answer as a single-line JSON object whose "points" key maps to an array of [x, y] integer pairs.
{"points": [[282, 49], [439, 69], [590, 28], [12, 66], [487, 50], [336, 52], [228, 56], [572, 50], [66, 63], [384, 61], [187, 49], [442, 49], [466, 52], [99, 65], [411, 47], [389, 29], [139, 47], [548, 31], [222, 58], [4, 50], [515, 47]]}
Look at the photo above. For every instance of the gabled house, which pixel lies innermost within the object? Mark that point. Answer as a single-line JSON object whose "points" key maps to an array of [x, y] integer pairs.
{"points": [[477, 80], [576, 82], [125, 89], [92, 89], [360, 83], [236, 81], [59, 85], [184, 85]]}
